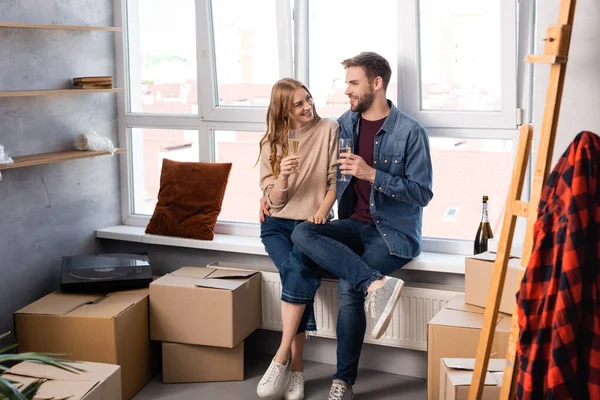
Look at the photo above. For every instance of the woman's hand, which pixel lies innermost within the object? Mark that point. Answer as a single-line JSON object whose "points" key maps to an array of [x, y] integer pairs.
{"points": [[318, 219], [289, 165]]}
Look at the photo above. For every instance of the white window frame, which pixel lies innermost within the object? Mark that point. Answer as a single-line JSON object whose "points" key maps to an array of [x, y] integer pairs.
{"points": [[294, 62], [409, 54]]}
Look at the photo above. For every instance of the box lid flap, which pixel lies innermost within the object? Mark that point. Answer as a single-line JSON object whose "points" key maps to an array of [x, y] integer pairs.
{"points": [[456, 318], [468, 364], [460, 377], [91, 371], [193, 272], [226, 279], [58, 303], [458, 303], [222, 273], [106, 307]]}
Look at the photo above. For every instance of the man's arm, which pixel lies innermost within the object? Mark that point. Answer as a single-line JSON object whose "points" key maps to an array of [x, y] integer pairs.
{"points": [[415, 188]]}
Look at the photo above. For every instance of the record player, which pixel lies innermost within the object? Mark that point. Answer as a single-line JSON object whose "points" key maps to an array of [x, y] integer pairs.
{"points": [[105, 272]]}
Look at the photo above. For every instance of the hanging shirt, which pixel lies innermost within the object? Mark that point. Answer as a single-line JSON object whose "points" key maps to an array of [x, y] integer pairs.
{"points": [[559, 298]]}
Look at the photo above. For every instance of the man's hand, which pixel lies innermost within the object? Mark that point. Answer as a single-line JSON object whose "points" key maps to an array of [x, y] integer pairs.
{"points": [[317, 219], [352, 164], [264, 210]]}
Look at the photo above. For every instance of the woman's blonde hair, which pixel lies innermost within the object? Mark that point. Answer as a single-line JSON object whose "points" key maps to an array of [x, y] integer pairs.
{"points": [[278, 119]]}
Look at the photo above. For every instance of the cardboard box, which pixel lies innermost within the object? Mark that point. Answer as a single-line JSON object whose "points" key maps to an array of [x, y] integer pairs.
{"points": [[184, 363], [205, 306], [454, 332], [110, 328], [478, 277], [456, 375], [97, 382]]}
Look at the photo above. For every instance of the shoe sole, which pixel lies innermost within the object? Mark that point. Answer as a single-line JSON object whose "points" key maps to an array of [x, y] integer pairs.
{"points": [[386, 317]]}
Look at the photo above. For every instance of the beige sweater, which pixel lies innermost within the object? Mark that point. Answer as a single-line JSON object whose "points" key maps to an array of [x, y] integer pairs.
{"points": [[316, 175]]}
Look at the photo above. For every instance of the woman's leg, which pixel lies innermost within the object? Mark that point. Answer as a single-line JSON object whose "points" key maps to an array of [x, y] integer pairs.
{"points": [[297, 364], [276, 236], [291, 314]]}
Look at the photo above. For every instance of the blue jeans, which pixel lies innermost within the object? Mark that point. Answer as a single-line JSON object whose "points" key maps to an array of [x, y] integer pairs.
{"points": [[276, 235], [356, 252]]}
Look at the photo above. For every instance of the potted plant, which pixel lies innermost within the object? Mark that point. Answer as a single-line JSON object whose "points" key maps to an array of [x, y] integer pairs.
{"points": [[7, 388]]}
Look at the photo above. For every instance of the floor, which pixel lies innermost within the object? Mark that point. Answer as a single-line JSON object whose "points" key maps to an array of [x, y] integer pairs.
{"points": [[371, 385]]}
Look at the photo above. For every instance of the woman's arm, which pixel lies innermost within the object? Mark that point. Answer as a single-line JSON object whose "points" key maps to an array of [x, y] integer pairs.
{"points": [[321, 215]]}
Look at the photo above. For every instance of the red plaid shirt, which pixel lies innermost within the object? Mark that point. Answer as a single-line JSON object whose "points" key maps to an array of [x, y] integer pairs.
{"points": [[559, 299]]}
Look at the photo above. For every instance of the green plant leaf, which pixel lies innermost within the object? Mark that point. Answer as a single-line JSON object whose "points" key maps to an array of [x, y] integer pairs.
{"points": [[10, 392], [31, 390], [4, 335], [7, 348]]}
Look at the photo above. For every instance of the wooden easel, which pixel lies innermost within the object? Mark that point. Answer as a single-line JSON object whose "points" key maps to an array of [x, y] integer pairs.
{"points": [[556, 51]]}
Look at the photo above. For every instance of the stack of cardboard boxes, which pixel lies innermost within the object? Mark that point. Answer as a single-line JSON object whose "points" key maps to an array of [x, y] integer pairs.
{"points": [[202, 316], [103, 328], [454, 332]]}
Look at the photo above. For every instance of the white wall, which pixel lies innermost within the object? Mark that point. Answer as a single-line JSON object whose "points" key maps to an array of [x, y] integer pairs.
{"points": [[580, 108]]}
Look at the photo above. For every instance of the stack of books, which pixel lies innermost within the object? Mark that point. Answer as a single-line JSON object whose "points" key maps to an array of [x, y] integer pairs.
{"points": [[93, 82]]}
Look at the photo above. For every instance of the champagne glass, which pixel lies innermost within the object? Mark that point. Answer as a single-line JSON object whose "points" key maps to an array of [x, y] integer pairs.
{"points": [[345, 147], [293, 144]]}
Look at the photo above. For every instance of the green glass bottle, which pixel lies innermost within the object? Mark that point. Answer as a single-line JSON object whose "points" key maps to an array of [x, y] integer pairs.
{"points": [[484, 232]]}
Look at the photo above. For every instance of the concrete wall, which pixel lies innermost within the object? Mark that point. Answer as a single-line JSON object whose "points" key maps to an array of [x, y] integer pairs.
{"points": [[51, 211], [581, 102]]}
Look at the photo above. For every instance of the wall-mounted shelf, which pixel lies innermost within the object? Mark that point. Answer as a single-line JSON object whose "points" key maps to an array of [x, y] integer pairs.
{"points": [[48, 158], [54, 92], [60, 27]]}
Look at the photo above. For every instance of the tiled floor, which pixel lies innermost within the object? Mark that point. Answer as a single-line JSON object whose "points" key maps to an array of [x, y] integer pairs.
{"points": [[371, 385]]}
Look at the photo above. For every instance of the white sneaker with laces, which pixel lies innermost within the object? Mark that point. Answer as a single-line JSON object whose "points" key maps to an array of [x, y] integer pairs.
{"points": [[274, 381], [295, 388]]}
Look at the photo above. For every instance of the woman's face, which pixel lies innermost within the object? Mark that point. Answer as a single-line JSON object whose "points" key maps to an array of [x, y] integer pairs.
{"points": [[301, 112]]}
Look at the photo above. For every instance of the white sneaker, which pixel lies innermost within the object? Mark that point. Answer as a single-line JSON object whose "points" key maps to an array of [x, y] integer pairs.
{"points": [[274, 381], [295, 389]]}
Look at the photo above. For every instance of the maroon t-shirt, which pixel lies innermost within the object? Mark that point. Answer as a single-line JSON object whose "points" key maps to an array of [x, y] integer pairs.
{"points": [[365, 149]]}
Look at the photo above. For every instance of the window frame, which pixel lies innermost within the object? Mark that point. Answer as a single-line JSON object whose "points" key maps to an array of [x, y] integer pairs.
{"points": [[294, 62], [409, 53]]}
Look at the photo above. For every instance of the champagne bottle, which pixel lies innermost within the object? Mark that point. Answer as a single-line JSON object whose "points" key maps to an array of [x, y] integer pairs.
{"points": [[484, 232]]}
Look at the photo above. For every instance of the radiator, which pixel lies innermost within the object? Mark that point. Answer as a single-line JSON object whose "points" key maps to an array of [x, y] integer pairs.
{"points": [[408, 329]]}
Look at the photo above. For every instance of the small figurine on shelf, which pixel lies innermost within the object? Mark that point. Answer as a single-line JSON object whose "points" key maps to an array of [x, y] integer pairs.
{"points": [[4, 158]]}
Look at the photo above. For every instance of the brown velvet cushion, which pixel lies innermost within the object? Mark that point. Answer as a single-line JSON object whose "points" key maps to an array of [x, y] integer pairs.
{"points": [[189, 199]]}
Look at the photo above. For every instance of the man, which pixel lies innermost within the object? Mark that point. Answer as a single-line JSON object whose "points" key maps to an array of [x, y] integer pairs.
{"points": [[380, 212]]}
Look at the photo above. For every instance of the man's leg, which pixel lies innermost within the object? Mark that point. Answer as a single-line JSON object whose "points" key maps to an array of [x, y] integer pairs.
{"points": [[335, 246], [351, 328], [351, 323]]}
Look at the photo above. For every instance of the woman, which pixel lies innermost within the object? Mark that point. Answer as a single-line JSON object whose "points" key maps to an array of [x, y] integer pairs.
{"points": [[297, 188]]}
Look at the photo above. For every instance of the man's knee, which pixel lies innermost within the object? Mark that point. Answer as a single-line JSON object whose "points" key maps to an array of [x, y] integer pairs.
{"points": [[301, 234]]}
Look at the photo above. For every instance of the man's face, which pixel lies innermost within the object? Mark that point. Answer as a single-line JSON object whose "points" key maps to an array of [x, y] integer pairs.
{"points": [[359, 90]]}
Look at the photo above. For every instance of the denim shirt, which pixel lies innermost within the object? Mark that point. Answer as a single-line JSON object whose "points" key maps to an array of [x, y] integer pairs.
{"points": [[403, 180]]}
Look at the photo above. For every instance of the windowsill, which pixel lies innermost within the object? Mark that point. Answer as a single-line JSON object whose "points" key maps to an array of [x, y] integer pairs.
{"points": [[427, 262]]}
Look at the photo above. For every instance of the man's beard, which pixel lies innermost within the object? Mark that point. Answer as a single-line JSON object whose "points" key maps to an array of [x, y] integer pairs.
{"points": [[364, 103]]}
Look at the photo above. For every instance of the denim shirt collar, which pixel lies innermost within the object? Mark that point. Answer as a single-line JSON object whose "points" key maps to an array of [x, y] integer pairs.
{"points": [[388, 124]]}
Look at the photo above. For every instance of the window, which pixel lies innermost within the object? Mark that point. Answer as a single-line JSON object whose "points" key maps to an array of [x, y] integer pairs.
{"points": [[245, 51], [330, 43], [198, 89], [162, 62]]}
